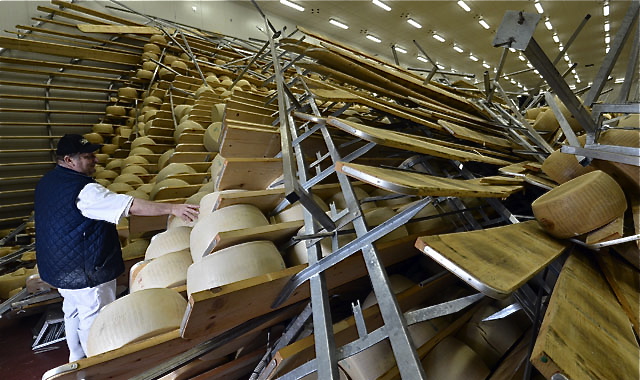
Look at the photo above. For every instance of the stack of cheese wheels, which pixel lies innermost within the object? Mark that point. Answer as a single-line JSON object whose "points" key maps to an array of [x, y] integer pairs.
{"points": [[434, 225], [453, 360], [166, 271], [229, 218], [490, 339], [341, 203], [232, 264], [212, 137], [103, 129], [134, 317], [173, 240], [580, 205], [296, 211]]}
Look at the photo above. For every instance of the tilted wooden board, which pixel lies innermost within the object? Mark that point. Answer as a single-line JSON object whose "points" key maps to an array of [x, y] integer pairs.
{"points": [[412, 183], [249, 173], [585, 334], [496, 261], [118, 29], [244, 141], [474, 136], [277, 233], [409, 142]]}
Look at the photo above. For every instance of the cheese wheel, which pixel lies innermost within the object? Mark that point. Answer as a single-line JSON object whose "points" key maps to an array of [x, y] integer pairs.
{"points": [[134, 160], [103, 128], [179, 65], [212, 80], [147, 187], [102, 158], [173, 240], [120, 187], [164, 158], [226, 82], [380, 215], [166, 74], [128, 92], [296, 211], [546, 122], [109, 149], [140, 150], [229, 218], [138, 194], [532, 113], [152, 101], [181, 110], [573, 122], [211, 138], [169, 59], [217, 164], [209, 200], [203, 91], [341, 203], [243, 84], [453, 360], [103, 181], [157, 39], [106, 174], [631, 120], [94, 138], [135, 317], [217, 112], [167, 183], [134, 169], [580, 205], [429, 226], [628, 176], [151, 48], [563, 167], [144, 74], [233, 264], [114, 164], [141, 141], [116, 110], [149, 66], [167, 271], [135, 249], [173, 169], [185, 127], [128, 178]]}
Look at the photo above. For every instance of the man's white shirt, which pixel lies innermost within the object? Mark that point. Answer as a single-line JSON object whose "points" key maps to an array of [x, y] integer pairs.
{"points": [[97, 202]]}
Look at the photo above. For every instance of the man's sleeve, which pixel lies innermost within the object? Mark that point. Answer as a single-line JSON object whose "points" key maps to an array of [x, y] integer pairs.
{"points": [[97, 202]]}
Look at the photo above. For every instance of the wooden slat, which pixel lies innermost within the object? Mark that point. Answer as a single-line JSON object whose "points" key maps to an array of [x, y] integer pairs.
{"points": [[277, 233], [28, 123], [496, 261], [68, 51], [56, 86], [625, 283], [80, 40], [413, 183], [60, 65], [585, 334], [249, 173], [265, 200], [7, 164], [218, 309], [413, 143], [118, 29], [177, 192], [53, 98], [243, 141], [70, 112], [60, 75], [474, 136], [93, 12]]}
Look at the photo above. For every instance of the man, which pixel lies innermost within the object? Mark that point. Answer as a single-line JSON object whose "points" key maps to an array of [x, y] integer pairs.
{"points": [[77, 246]]}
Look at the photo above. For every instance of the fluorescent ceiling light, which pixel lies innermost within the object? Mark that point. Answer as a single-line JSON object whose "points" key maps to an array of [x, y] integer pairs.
{"points": [[574, 72], [572, 86], [547, 23], [521, 57], [399, 49], [569, 64], [473, 58], [512, 50], [577, 80], [458, 49], [529, 65], [438, 37], [486, 65], [607, 39], [560, 47], [619, 80], [338, 24], [414, 23], [566, 58], [440, 67], [556, 39], [539, 7], [506, 77], [382, 5], [292, 5], [536, 71], [513, 81], [605, 10], [194, 8], [484, 24], [373, 38], [464, 6], [607, 26], [606, 51], [423, 59]]}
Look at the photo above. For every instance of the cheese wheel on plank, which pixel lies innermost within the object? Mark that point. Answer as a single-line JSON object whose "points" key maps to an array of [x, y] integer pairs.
{"points": [[229, 218], [134, 169], [94, 138], [106, 174], [453, 360], [176, 239], [141, 141], [164, 158], [233, 264], [563, 167], [217, 112], [135, 317], [128, 178], [546, 122], [211, 138], [138, 194], [116, 110], [209, 200], [114, 164], [135, 249], [580, 205], [627, 175], [166, 271], [134, 160], [167, 183], [140, 150], [174, 169], [102, 128]]}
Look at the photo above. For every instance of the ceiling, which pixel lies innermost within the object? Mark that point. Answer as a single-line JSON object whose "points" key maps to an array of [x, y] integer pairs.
{"points": [[460, 27]]}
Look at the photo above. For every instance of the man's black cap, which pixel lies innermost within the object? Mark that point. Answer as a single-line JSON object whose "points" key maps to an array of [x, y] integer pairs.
{"points": [[72, 144]]}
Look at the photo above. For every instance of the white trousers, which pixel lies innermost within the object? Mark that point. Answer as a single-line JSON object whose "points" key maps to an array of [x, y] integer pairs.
{"points": [[81, 307]]}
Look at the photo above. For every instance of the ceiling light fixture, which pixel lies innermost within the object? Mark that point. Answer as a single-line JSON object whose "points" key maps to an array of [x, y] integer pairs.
{"points": [[414, 23], [539, 7], [566, 58], [486, 65], [458, 49], [547, 23], [619, 80], [512, 50], [560, 47], [382, 5], [194, 8], [464, 6], [483, 23], [337, 23], [399, 49], [556, 39], [606, 50], [572, 86], [521, 57], [605, 9], [606, 26], [438, 37], [473, 58], [292, 5], [577, 80], [373, 38], [440, 67], [422, 59], [607, 39]]}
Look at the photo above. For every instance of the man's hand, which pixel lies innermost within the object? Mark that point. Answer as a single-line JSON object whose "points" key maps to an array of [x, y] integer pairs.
{"points": [[186, 212]]}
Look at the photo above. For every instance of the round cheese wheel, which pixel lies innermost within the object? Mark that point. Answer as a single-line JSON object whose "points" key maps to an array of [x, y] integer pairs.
{"points": [[120, 187], [152, 48], [157, 39], [147, 187], [103, 128], [204, 91], [141, 141], [546, 122], [166, 74], [212, 80], [173, 169], [169, 59], [532, 113], [116, 110], [106, 174], [103, 181], [114, 164], [453, 360], [217, 164], [144, 74], [628, 176], [140, 150], [179, 65], [580, 205], [102, 158], [175, 239], [149, 66], [229, 218], [135, 249], [631, 120], [217, 112], [134, 160], [573, 122], [212, 137], [128, 92], [135, 317], [128, 178], [109, 149], [244, 85], [167, 271], [181, 110], [167, 183], [134, 169], [380, 215], [185, 127], [152, 101], [232, 264], [164, 158], [226, 82], [138, 194], [341, 203], [563, 167], [94, 138], [209, 200]]}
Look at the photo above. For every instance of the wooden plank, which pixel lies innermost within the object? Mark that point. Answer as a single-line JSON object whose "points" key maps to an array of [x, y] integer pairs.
{"points": [[277, 233], [93, 12], [585, 334], [60, 65], [413, 183], [242, 141], [55, 86], [474, 136], [405, 141], [69, 112], [625, 283], [197, 160], [226, 306], [68, 51], [248, 173], [609, 231], [265, 200], [118, 29], [170, 192], [53, 99], [101, 43], [496, 261], [60, 74], [232, 114], [239, 368], [512, 366]]}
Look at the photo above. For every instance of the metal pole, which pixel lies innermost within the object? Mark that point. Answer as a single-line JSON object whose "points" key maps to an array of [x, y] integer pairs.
{"points": [[623, 96]]}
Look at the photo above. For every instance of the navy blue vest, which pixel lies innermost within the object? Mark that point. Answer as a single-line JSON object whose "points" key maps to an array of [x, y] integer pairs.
{"points": [[72, 251]]}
